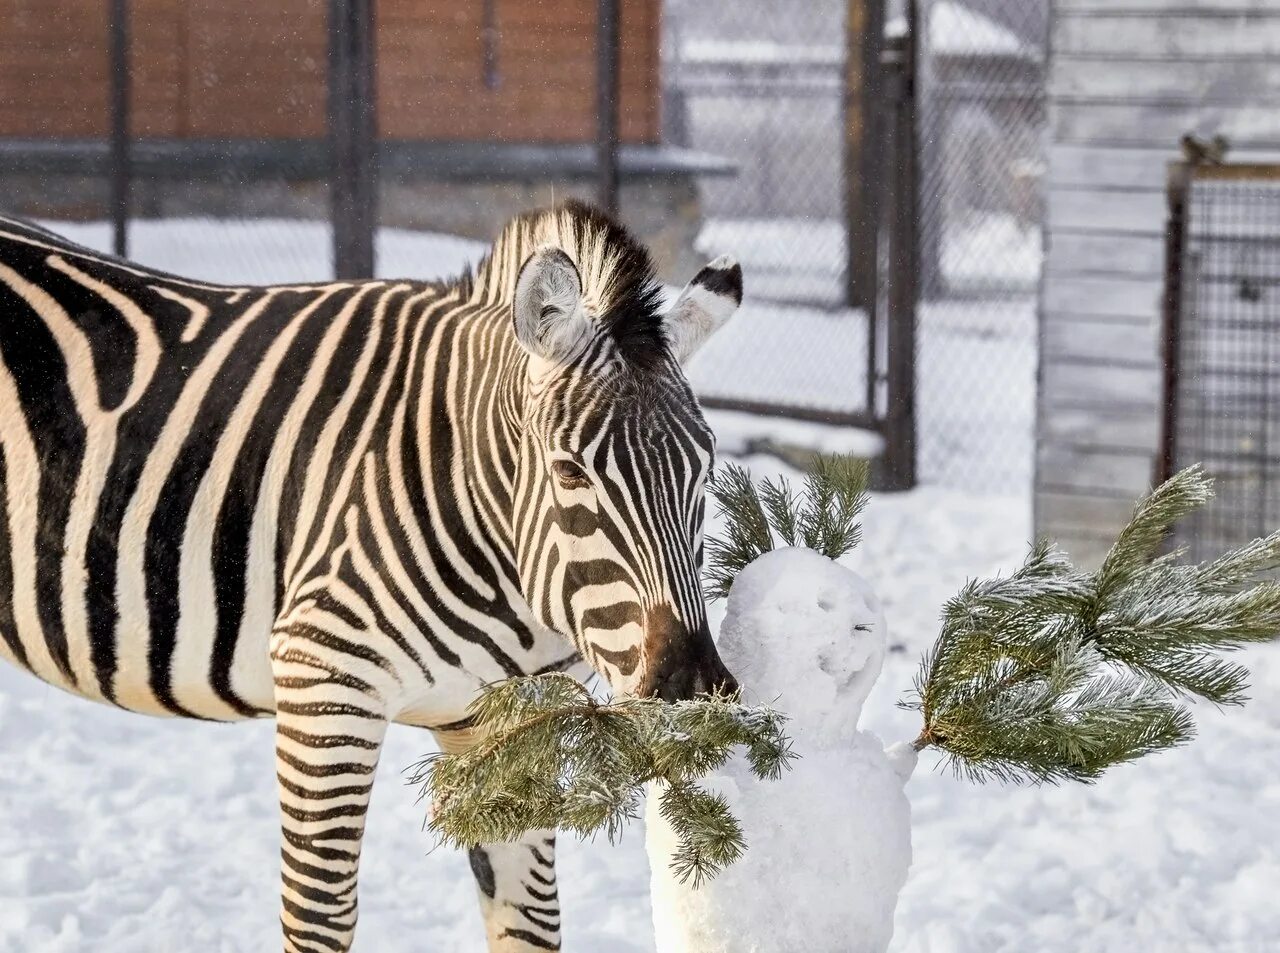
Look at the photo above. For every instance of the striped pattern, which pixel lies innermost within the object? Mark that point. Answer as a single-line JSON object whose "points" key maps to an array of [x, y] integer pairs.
{"points": [[347, 504]]}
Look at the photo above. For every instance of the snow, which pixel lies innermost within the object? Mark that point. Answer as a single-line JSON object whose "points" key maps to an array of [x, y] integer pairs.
{"points": [[738, 434], [807, 635], [956, 30], [120, 833]]}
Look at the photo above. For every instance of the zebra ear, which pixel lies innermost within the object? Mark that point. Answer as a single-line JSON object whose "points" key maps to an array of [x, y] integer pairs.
{"points": [[547, 311], [706, 303]]}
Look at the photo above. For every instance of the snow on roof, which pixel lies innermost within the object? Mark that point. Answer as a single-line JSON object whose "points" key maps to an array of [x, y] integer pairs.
{"points": [[955, 30]]}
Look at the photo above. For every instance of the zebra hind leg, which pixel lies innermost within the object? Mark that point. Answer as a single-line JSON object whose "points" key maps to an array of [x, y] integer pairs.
{"points": [[326, 755], [519, 897]]}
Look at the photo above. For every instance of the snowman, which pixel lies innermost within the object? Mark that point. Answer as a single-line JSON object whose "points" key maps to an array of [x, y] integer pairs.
{"points": [[828, 845]]}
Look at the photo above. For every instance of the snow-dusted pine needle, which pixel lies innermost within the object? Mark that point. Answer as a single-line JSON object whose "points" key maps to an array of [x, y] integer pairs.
{"points": [[1052, 674], [553, 756]]}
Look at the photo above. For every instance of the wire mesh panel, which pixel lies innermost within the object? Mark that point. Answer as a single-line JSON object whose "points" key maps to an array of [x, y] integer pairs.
{"points": [[54, 133], [762, 84], [227, 123], [981, 122], [1227, 353]]}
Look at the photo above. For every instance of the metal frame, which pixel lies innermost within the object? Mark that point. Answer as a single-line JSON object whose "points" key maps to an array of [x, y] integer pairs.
{"points": [[887, 78], [1182, 329], [1177, 184], [898, 463], [353, 136], [120, 96], [607, 93], [863, 134], [1179, 177]]}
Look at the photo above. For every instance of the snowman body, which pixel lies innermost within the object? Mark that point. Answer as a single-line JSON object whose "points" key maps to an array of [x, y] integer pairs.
{"points": [[828, 845]]}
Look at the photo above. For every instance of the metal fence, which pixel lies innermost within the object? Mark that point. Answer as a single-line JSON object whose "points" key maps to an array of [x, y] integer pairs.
{"points": [[1222, 348], [981, 121], [766, 87], [771, 91]]}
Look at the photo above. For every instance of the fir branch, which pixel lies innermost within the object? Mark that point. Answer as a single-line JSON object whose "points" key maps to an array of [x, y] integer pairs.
{"points": [[1051, 674], [553, 756]]}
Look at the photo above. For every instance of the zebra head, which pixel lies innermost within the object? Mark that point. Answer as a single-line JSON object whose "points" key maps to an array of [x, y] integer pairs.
{"points": [[609, 501]]}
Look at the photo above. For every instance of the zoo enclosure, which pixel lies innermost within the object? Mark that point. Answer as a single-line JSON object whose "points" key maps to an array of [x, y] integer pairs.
{"points": [[366, 146], [1221, 349], [961, 130]]}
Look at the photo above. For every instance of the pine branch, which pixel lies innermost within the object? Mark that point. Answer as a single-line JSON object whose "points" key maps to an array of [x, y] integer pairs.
{"points": [[747, 530], [1051, 674], [824, 516], [553, 756]]}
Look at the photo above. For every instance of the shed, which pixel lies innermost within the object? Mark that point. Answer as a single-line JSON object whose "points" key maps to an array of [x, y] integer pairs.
{"points": [[1127, 79]]}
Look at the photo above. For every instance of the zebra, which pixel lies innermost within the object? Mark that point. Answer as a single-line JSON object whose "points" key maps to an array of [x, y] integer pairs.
{"points": [[349, 504]]}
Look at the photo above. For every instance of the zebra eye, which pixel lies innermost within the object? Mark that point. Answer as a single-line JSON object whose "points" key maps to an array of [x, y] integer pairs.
{"points": [[570, 475]]}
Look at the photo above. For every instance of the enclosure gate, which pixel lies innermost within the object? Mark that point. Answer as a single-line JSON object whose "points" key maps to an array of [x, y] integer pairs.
{"points": [[1222, 347]]}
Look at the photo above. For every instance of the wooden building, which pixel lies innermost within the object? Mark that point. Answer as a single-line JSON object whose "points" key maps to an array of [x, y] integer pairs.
{"points": [[1127, 79], [469, 70], [485, 108]]}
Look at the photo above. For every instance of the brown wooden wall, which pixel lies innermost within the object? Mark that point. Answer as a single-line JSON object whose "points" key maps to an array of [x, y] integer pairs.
{"points": [[256, 69]]}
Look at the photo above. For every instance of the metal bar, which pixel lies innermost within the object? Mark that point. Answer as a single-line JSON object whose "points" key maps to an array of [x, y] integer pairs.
{"points": [[864, 36], [607, 102], [352, 136], [759, 408], [1178, 181], [1237, 170], [120, 101], [490, 35], [897, 470]]}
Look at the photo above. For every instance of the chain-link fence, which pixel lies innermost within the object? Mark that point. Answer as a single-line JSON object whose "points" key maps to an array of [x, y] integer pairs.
{"points": [[763, 84], [224, 117], [731, 134], [981, 114], [765, 87]]}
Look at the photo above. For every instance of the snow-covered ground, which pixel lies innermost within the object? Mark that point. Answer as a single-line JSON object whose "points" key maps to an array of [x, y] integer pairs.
{"points": [[120, 833], [123, 834]]}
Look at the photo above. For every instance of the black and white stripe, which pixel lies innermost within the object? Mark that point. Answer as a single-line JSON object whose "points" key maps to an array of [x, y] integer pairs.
{"points": [[347, 504]]}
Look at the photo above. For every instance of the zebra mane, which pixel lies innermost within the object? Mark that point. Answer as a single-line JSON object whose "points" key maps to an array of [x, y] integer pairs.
{"points": [[618, 280]]}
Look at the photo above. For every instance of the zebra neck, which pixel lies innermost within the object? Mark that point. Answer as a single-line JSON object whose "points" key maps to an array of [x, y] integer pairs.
{"points": [[478, 417]]}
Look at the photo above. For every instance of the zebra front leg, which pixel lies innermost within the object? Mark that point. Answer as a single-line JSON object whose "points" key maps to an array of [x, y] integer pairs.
{"points": [[519, 897], [327, 742]]}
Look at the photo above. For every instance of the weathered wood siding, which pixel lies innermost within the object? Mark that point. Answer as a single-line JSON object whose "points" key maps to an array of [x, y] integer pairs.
{"points": [[1127, 79], [256, 69]]}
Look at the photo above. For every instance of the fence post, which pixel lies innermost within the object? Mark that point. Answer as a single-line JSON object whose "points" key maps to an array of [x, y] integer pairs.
{"points": [[352, 136], [607, 13], [897, 466], [864, 39], [120, 102], [1177, 182]]}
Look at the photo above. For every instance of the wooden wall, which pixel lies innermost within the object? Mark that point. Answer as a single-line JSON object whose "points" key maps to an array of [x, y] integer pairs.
{"points": [[255, 69], [1127, 79]]}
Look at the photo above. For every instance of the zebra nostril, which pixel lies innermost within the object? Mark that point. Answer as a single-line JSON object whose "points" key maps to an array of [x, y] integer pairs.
{"points": [[677, 687]]}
